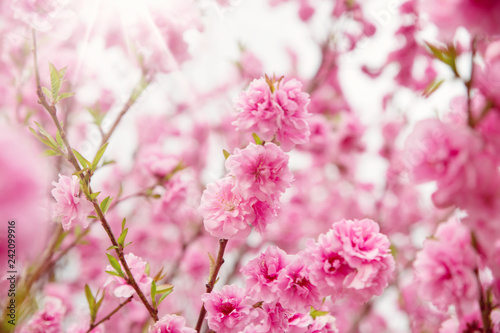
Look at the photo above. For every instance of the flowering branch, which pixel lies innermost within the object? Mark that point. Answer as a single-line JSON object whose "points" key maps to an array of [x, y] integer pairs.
{"points": [[85, 178], [211, 282], [92, 326]]}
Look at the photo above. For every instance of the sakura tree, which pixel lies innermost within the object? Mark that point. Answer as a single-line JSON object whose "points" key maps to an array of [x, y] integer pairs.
{"points": [[248, 166]]}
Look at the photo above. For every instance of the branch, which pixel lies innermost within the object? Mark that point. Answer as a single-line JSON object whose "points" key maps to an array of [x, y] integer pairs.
{"points": [[143, 83], [92, 326], [72, 159], [211, 282]]}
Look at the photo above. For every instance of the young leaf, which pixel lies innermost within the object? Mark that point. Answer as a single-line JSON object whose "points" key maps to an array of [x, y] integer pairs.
{"points": [[46, 134], [123, 223], [127, 244], [432, 87], [44, 140], [81, 159], [316, 313], [165, 295], [59, 140], [50, 152], [90, 301], [55, 80], [114, 273], [62, 72], [115, 264], [212, 266], [105, 204], [153, 293], [94, 195], [121, 239], [93, 217], [98, 305], [47, 93], [65, 95], [98, 156], [112, 247], [258, 141], [226, 154]]}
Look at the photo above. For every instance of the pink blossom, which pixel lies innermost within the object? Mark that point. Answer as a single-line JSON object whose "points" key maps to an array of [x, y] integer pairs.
{"points": [[265, 213], [72, 207], [137, 267], [276, 318], [436, 150], [171, 324], [353, 259], [258, 114], [225, 212], [154, 162], [262, 273], [272, 109], [296, 290], [261, 171], [487, 77], [445, 267], [477, 16], [47, 320], [228, 310], [323, 324]]}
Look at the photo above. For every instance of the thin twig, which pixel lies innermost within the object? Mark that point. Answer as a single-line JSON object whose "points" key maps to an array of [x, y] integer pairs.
{"points": [[72, 159], [211, 282], [92, 326]]}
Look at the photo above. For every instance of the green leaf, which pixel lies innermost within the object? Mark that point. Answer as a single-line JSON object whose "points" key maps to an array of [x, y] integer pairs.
{"points": [[90, 301], [127, 244], [65, 95], [164, 288], [447, 55], [153, 293], [60, 240], [226, 154], [165, 295], [212, 266], [432, 87], [147, 270], [94, 195], [105, 204], [59, 140], [316, 313], [98, 155], [98, 305], [47, 93], [55, 80], [115, 264], [62, 72], [42, 139], [258, 141], [50, 152], [81, 159], [121, 239], [44, 132], [114, 273], [112, 247], [123, 223]]}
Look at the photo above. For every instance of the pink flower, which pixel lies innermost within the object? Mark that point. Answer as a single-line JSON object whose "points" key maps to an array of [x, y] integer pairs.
{"points": [[137, 267], [265, 213], [445, 268], [296, 289], [228, 310], [353, 259], [487, 78], [291, 102], [435, 150], [47, 320], [262, 274], [225, 212], [323, 324], [260, 171], [258, 114], [477, 16], [171, 324], [71, 207], [270, 108], [156, 163]]}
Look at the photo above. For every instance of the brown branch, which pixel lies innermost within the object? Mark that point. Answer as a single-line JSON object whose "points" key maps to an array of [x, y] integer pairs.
{"points": [[86, 178], [468, 86], [92, 326], [211, 282]]}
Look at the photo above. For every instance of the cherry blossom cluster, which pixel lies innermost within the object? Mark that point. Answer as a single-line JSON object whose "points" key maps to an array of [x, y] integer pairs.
{"points": [[352, 260]]}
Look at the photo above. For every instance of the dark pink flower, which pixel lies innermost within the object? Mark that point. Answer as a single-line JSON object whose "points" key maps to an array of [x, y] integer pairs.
{"points": [[228, 310], [262, 273]]}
